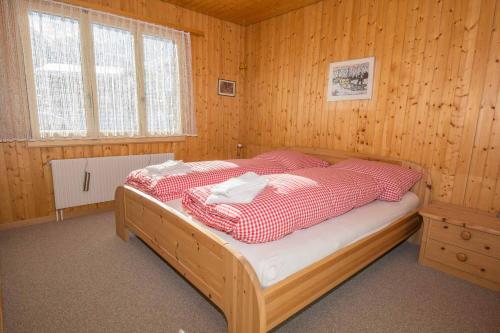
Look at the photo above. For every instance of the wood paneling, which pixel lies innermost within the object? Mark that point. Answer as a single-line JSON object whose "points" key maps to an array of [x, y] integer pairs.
{"points": [[436, 88], [435, 97], [243, 12], [25, 177]]}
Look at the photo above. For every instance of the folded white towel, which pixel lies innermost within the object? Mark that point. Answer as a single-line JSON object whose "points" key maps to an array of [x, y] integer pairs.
{"points": [[241, 189], [238, 184], [168, 168]]}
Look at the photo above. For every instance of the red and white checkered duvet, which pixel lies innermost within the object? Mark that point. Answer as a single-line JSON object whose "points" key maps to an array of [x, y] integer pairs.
{"points": [[166, 188], [290, 202]]}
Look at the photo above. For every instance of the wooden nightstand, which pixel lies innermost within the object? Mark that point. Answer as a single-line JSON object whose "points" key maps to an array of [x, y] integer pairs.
{"points": [[461, 242]]}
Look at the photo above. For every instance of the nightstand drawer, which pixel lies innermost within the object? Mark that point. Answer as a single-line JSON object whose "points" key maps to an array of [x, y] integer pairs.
{"points": [[470, 239], [480, 265]]}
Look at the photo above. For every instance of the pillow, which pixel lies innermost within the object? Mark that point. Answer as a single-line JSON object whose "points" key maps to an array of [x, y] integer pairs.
{"points": [[292, 160], [394, 179]]}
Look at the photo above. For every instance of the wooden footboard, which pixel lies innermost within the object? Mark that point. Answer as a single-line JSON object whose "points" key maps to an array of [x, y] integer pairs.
{"points": [[222, 275]]}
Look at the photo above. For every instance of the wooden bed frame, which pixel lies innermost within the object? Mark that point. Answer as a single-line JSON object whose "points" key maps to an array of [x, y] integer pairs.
{"points": [[228, 280]]}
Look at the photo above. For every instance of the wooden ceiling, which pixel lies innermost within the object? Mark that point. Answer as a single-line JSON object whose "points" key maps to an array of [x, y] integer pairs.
{"points": [[243, 12]]}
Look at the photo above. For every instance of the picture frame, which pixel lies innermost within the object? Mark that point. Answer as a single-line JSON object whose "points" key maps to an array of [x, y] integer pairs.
{"points": [[351, 79], [226, 87]]}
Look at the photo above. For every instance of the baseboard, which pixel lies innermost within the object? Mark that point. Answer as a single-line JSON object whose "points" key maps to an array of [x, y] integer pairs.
{"points": [[52, 218], [416, 237], [1, 307]]}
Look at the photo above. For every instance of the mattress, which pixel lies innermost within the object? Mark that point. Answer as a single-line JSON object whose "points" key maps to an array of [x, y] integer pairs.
{"points": [[277, 260]]}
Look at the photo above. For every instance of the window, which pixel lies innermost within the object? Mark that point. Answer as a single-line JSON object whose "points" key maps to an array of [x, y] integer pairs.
{"points": [[57, 69], [160, 57], [93, 75], [116, 80]]}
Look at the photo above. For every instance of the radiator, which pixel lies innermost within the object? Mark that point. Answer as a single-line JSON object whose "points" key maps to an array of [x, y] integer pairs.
{"points": [[73, 188]]}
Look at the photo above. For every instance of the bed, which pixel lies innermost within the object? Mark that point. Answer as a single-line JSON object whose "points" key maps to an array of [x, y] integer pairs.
{"points": [[219, 270]]}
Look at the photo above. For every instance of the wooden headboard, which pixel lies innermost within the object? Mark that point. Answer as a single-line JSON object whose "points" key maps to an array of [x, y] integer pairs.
{"points": [[422, 188]]}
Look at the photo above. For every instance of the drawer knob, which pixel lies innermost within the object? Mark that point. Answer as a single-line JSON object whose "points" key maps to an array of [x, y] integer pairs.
{"points": [[465, 235], [461, 257]]}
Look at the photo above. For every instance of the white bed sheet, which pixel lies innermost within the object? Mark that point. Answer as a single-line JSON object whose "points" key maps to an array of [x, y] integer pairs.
{"points": [[275, 261]]}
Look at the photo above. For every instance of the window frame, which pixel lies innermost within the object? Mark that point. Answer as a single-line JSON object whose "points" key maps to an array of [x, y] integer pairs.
{"points": [[92, 19], [150, 33], [86, 18]]}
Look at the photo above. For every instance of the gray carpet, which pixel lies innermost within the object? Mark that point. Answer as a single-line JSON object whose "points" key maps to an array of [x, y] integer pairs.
{"points": [[77, 276]]}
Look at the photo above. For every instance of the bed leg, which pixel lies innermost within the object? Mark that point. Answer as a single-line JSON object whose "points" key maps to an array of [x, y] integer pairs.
{"points": [[121, 229], [244, 306]]}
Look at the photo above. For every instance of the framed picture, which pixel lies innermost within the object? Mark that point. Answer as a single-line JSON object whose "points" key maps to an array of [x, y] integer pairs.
{"points": [[226, 88], [352, 79]]}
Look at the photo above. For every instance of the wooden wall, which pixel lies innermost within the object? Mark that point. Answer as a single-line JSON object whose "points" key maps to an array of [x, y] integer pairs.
{"points": [[25, 179], [436, 88], [435, 96]]}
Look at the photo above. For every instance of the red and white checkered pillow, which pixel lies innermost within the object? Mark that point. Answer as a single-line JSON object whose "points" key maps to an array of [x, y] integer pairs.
{"points": [[293, 160], [394, 179]]}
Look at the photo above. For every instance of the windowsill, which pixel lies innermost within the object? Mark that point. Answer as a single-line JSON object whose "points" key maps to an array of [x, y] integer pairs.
{"points": [[103, 141]]}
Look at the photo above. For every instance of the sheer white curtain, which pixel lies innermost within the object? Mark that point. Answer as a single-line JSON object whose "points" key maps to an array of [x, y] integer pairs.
{"points": [[56, 71], [167, 58], [14, 113], [93, 74], [116, 80]]}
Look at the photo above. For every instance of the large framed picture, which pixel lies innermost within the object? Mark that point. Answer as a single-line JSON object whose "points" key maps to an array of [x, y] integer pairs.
{"points": [[226, 88], [352, 79]]}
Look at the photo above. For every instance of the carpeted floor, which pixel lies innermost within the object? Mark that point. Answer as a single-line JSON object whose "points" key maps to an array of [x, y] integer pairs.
{"points": [[77, 276]]}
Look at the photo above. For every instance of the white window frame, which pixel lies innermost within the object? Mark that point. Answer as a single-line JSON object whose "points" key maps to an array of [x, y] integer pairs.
{"points": [[86, 19]]}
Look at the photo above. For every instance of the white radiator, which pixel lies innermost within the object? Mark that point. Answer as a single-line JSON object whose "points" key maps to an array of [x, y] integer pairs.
{"points": [[106, 174]]}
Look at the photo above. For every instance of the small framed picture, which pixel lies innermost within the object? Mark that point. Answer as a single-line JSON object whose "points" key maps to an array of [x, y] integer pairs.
{"points": [[226, 88], [352, 79]]}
